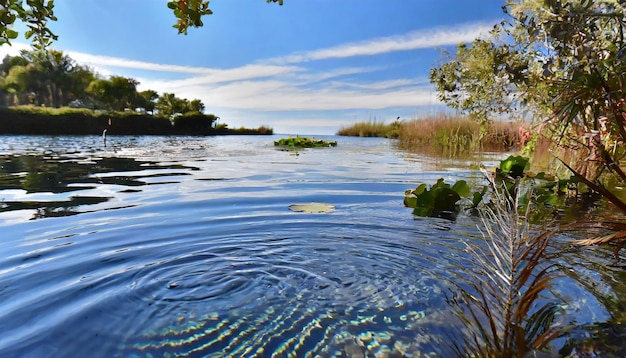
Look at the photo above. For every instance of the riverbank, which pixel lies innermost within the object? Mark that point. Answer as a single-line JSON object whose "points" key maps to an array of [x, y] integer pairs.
{"points": [[78, 121]]}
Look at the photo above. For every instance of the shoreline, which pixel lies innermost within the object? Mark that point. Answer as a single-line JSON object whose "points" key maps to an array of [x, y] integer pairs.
{"points": [[70, 121]]}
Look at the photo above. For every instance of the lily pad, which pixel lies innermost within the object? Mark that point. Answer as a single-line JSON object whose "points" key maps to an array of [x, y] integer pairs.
{"points": [[312, 208]]}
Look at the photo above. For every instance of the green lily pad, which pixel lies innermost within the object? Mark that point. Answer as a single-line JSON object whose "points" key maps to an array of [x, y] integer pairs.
{"points": [[312, 208]]}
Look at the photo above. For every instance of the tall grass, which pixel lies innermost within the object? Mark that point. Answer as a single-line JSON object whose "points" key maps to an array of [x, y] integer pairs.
{"points": [[453, 136], [443, 135], [372, 128]]}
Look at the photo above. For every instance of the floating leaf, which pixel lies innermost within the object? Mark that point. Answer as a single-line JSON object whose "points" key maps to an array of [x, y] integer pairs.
{"points": [[462, 188], [312, 208], [514, 166]]}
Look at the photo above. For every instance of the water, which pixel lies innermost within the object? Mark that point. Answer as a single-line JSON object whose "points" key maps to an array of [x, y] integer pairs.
{"points": [[185, 246]]}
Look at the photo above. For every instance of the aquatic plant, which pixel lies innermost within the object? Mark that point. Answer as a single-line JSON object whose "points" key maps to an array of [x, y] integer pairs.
{"points": [[441, 199], [548, 193], [501, 307], [303, 142]]}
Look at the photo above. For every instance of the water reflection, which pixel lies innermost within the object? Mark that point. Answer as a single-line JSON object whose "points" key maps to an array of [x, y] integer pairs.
{"points": [[22, 177]]}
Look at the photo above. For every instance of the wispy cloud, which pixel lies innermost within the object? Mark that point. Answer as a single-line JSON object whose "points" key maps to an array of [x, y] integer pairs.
{"points": [[283, 95], [410, 41]]}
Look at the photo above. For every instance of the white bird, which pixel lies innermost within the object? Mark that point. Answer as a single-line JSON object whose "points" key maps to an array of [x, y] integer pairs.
{"points": [[104, 137]]}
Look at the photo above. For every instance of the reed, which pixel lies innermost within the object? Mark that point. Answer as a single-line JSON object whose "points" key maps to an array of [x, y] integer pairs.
{"points": [[453, 136], [372, 128], [502, 308]]}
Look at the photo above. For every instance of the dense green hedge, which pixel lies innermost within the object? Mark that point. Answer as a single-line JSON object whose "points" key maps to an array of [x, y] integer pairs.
{"points": [[72, 121]]}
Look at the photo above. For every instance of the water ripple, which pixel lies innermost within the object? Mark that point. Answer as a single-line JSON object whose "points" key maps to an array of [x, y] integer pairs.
{"points": [[195, 252]]}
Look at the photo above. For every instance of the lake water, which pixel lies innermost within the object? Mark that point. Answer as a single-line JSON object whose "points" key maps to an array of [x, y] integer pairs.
{"points": [[185, 246]]}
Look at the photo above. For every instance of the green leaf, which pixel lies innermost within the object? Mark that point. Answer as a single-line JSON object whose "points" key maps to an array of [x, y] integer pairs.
{"points": [[446, 200], [410, 201], [425, 212], [420, 189], [461, 188], [11, 34], [476, 199]]}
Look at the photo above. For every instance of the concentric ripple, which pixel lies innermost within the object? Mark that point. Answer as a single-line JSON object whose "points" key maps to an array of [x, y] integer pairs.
{"points": [[306, 296]]}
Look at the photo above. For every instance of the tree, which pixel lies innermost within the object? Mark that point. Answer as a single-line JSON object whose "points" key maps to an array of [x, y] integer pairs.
{"points": [[196, 106], [147, 100], [36, 14], [484, 79], [169, 105], [117, 93], [565, 61]]}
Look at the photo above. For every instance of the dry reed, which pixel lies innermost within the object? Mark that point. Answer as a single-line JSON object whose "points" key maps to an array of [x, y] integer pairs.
{"points": [[453, 136], [371, 128], [501, 309]]}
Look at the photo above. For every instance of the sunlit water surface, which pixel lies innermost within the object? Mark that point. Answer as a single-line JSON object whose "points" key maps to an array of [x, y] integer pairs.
{"points": [[185, 246]]}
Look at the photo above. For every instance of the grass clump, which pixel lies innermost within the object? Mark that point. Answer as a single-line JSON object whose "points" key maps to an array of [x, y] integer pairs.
{"points": [[372, 128]]}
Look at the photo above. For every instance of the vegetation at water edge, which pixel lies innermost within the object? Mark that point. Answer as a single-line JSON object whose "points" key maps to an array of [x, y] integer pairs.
{"points": [[303, 142], [82, 121], [371, 128], [443, 135]]}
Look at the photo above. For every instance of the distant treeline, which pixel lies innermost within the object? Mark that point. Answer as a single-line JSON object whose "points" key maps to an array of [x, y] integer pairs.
{"points": [[49, 93], [72, 121]]}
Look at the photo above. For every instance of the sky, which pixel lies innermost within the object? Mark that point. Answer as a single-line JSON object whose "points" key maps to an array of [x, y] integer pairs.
{"points": [[307, 67]]}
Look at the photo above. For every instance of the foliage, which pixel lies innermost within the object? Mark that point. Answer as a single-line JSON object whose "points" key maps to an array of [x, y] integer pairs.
{"points": [[53, 79], [190, 12], [565, 63], [454, 136], [303, 142], [45, 78], [546, 193], [194, 122], [561, 60], [222, 128], [441, 199], [35, 15], [66, 120], [478, 79], [117, 93]]}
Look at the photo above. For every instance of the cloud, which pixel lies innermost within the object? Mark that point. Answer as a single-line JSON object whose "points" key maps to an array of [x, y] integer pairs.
{"points": [[13, 49], [286, 87], [283, 95], [410, 41]]}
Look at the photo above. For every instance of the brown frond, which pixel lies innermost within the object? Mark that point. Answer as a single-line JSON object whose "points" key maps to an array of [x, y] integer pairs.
{"points": [[601, 240], [501, 314]]}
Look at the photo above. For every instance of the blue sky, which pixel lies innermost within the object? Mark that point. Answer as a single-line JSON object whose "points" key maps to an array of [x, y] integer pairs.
{"points": [[307, 67]]}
